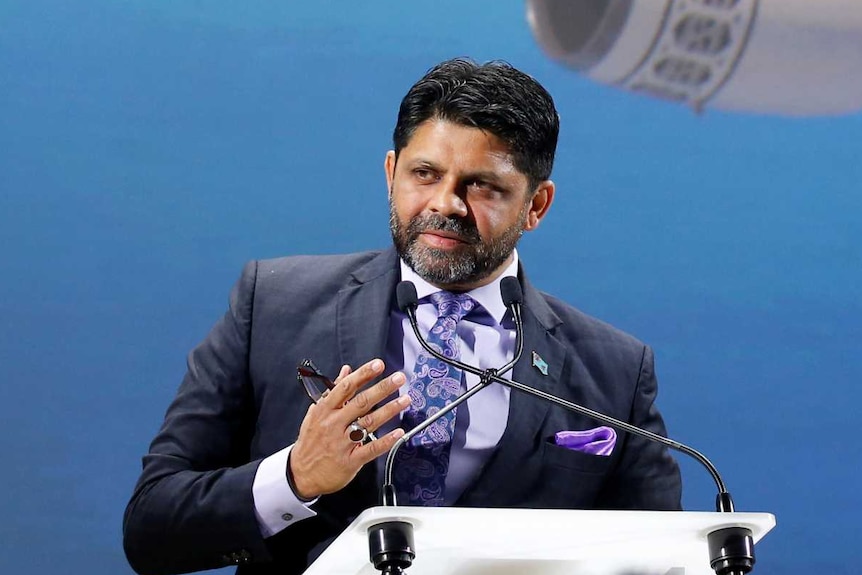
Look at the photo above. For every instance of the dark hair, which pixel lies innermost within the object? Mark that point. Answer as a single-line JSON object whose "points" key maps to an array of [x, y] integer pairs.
{"points": [[494, 97]]}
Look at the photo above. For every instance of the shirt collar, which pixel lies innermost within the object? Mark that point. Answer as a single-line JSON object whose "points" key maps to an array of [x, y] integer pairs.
{"points": [[488, 296]]}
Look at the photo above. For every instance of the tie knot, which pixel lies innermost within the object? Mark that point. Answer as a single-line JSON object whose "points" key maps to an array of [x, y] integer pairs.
{"points": [[452, 305]]}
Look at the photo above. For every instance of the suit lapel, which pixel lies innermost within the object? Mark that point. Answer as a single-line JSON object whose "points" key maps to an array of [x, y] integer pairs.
{"points": [[362, 326], [364, 305], [526, 413]]}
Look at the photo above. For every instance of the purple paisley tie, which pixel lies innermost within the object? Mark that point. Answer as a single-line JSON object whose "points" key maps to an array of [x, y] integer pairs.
{"points": [[422, 463]]}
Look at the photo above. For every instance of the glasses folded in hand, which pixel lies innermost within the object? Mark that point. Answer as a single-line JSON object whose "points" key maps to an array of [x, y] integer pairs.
{"points": [[317, 386]]}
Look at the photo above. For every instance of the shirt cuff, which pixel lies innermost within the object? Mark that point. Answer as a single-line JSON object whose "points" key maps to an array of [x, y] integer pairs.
{"points": [[276, 506]]}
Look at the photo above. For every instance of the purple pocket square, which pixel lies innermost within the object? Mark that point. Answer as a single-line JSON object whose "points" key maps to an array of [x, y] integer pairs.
{"points": [[598, 441]]}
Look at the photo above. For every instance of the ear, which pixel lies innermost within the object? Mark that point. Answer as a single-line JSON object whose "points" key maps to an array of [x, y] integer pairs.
{"points": [[389, 167], [539, 205]]}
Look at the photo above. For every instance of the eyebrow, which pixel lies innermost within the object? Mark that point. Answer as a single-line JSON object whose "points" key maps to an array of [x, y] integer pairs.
{"points": [[421, 162], [484, 175]]}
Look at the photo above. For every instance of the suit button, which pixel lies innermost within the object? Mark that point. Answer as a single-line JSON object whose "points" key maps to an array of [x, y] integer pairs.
{"points": [[287, 516]]}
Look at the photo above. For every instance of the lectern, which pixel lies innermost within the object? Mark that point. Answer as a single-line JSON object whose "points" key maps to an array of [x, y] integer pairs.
{"points": [[456, 541]]}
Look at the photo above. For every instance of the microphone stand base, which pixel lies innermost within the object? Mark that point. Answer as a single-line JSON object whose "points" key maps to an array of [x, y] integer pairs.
{"points": [[731, 551], [391, 546]]}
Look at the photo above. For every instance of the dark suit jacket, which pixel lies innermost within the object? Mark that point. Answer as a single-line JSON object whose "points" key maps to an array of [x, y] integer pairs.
{"points": [[192, 508]]}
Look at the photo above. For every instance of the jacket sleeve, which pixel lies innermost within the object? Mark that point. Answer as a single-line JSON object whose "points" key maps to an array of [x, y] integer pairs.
{"points": [[192, 508], [647, 477]]}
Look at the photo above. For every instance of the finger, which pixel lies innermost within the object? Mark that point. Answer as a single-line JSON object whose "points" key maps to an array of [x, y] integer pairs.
{"points": [[349, 384], [344, 372], [372, 421], [362, 454], [368, 398]]}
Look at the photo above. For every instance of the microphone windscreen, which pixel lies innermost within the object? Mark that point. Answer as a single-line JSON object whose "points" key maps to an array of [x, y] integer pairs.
{"points": [[510, 290], [405, 296]]}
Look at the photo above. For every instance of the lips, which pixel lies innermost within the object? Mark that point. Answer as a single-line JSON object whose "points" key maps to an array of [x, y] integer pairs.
{"points": [[442, 233], [441, 239]]}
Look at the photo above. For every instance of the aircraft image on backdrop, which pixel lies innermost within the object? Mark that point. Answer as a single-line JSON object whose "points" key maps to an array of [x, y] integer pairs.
{"points": [[785, 57]]}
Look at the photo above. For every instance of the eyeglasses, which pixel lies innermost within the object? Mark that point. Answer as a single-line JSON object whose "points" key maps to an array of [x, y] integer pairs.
{"points": [[317, 386]]}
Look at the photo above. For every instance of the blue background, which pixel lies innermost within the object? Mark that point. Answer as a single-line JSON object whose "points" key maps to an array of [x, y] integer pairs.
{"points": [[149, 148]]}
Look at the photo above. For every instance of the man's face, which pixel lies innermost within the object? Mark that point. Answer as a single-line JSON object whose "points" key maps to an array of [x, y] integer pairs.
{"points": [[458, 205]]}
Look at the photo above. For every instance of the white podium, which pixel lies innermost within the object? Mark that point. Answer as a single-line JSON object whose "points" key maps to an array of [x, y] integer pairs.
{"points": [[542, 541]]}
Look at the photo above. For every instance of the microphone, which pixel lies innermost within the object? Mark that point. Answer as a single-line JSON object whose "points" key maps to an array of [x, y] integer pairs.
{"points": [[731, 549], [510, 290], [408, 301], [391, 545], [405, 296]]}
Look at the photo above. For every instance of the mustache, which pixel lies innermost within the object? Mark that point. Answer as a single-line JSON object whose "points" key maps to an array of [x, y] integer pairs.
{"points": [[465, 229]]}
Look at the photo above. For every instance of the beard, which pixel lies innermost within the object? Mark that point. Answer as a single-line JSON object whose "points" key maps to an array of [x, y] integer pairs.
{"points": [[467, 264]]}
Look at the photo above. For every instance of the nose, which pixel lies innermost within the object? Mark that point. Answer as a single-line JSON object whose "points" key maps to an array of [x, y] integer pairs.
{"points": [[448, 198]]}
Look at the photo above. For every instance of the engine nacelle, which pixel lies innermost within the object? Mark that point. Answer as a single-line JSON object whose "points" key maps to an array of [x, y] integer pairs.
{"points": [[789, 57]]}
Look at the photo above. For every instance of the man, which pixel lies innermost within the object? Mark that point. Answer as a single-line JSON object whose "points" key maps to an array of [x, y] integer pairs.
{"points": [[245, 471]]}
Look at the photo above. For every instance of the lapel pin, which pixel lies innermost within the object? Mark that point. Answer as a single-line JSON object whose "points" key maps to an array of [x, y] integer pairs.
{"points": [[540, 363]]}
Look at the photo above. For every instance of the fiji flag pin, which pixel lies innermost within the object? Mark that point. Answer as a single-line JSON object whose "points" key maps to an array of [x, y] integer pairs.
{"points": [[540, 363]]}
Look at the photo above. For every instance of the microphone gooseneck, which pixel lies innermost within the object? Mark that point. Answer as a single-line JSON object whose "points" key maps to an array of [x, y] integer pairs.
{"points": [[407, 300], [724, 501], [731, 549], [513, 297], [390, 543]]}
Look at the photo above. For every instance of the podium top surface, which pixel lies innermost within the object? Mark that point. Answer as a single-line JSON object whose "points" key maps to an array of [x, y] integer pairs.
{"points": [[467, 541]]}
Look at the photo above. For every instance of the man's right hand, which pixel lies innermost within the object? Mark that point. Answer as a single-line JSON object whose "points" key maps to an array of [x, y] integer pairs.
{"points": [[324, 459]]}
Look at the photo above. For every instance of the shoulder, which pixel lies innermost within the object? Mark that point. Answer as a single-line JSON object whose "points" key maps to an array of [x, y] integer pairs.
{"points": [[304, 280], [584, 331], [312, 269]]}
